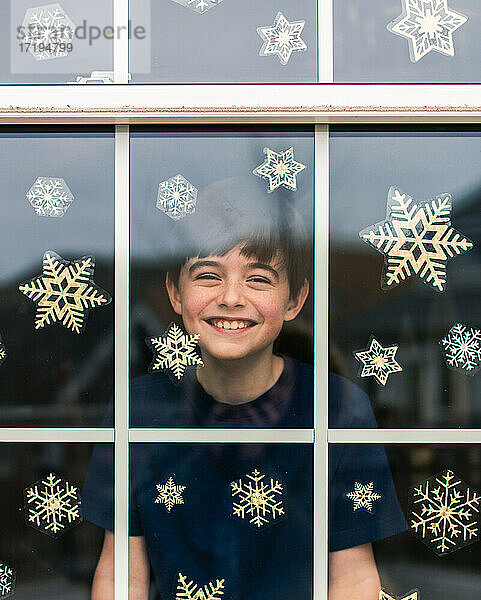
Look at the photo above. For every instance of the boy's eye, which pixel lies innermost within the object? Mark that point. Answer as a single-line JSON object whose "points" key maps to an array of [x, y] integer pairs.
{"points": [[207, 276], [259, 279]]}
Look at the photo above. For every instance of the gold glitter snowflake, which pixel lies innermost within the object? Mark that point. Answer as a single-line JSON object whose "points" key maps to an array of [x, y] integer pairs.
{"points": [[378, 361], [191, 591], [416, 239], [53, 505], [175, 350], [413, 595], [363, 496], [279, 168], [64, 292], [257, 500], [170, 494], [442, 511]]}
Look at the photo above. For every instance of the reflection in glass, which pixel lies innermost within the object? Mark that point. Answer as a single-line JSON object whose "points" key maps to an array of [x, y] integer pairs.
{"points": [[408, 290], [220, 287], [58, 370]]}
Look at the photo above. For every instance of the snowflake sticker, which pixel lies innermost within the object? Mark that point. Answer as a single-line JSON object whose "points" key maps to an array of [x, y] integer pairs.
{"points": [[191, 591], [443, 513], [200, 6], [378, 361], [64, 292], [416, 239], [279, 168], [427, 25], [412, 595], [47, 29], [50, 197], [174, 351], [52, 505], [363, 496], [170, 494], [256, 500], [282, 38], [7, 580], [177, 197], [3, 351], [462, 349]]}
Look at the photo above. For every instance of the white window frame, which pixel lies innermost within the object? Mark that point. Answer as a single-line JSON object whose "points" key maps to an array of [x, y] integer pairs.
{"points": [[319, 104]]}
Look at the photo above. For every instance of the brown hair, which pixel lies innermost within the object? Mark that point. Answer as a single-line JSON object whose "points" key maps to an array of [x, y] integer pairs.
{"points": [[235, 212]]}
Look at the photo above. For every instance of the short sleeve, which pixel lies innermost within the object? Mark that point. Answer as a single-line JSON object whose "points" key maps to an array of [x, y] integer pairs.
{"points": [[367, 465]]}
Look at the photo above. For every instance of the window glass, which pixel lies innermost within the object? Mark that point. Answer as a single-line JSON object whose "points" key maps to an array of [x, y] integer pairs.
{"points": [[220, 271], [47, 549], [55, 42], [56, 265], [436, 551], [236, 516], [216, 41], [405, 275], [406, 41]]}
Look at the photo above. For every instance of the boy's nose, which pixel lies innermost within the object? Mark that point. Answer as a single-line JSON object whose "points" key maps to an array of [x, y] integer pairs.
{"points": [[231, 295]]}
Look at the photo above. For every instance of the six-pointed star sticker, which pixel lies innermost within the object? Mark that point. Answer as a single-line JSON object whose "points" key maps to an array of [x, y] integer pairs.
{"points": [[363, 496], [174, 351], [279, 168], [416, 239], [378, 361], [282, 38], [412, 595], [462, 349], [428, 25], [65, 292]]}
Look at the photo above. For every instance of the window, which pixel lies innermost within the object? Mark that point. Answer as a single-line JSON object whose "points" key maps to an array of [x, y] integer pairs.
{"points": [[167, 124]]}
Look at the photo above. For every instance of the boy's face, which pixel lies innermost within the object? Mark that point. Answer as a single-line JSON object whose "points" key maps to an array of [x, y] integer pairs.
{"points": [[237, 305]]}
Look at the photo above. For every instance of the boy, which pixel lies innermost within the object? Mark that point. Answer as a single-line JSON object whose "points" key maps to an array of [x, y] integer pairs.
{"points": [[244, 273]]}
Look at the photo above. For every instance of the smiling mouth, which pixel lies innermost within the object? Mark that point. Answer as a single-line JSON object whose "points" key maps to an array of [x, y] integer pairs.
{"points": [[231, 324]]}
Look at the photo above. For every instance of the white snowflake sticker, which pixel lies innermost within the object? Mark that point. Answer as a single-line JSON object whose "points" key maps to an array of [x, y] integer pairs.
{"points": [[412, 595], [7, 580], [174, 352], [363, 496], [279, 168], [462, 349], [50, 196], [52, 505], [256, 500], [427, 25], [64, 292], [188, 590], [177, 197], [3, 351], [416, 239], [200, 6], [378, 361], [443, 513], [47, 30], [170, 494], [282, 38]]}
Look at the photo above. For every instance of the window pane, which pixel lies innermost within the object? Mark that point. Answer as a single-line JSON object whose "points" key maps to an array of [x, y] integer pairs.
{"points": [[240, 514], [194, 41], [55, 42], [406, 41], [47, 549], [405, 289], [438, 561], [56, 267], [238, 259]]}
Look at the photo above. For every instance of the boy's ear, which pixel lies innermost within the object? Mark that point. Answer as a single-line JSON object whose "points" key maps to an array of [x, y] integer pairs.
{"points": [[174, 294], [295, 304]]}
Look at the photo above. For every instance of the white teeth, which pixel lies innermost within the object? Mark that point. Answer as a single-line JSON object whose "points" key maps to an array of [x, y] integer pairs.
{"points": [[231, 324]]}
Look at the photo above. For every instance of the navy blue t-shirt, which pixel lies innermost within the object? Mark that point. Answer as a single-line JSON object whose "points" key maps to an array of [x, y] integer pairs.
{"points": [[202, 538]]}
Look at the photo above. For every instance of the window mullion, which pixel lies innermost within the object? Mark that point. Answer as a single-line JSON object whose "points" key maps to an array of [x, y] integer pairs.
{"points": [[121, 41]]}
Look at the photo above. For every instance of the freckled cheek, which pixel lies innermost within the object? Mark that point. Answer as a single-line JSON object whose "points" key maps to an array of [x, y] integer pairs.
{"points": [[192, 306]]}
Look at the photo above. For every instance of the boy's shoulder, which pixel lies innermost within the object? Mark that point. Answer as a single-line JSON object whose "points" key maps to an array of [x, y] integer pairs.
{"points": [[154, 401], [349, 405]]}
